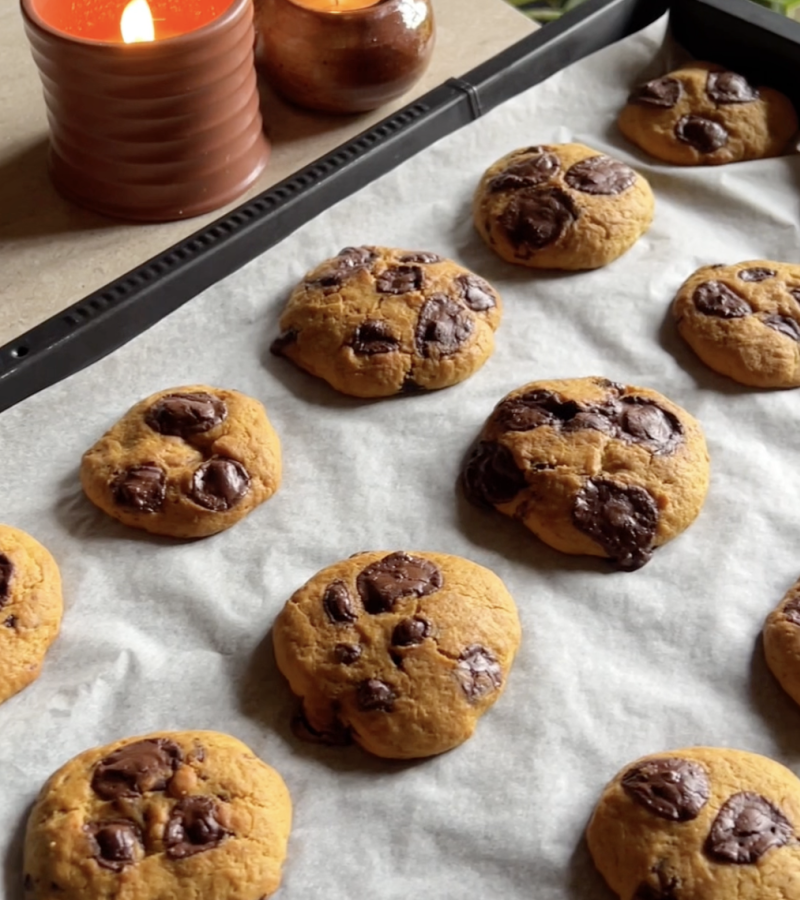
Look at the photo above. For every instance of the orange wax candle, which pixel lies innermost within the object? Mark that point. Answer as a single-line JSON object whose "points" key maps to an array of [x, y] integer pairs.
{"points": [[336, 6]]}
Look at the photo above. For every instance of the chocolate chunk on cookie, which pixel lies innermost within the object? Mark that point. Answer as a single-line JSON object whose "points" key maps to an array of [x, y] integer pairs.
{"points": [[399, 321], [186, 462], [423, 650]]}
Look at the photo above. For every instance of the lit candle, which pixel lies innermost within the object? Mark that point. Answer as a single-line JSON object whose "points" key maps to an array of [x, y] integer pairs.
{"points": [[137, 24], [336, 6]]}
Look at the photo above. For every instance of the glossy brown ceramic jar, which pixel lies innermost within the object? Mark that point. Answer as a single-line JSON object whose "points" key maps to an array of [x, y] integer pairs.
{"points": [[344, 62]]}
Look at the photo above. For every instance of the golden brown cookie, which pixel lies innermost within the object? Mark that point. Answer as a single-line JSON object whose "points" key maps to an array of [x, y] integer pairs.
{"points": [[375, 321], [591, 466], [561, 206], [782, 642], [186, 462], [705, 115], [699, 824], [404, 650], [744, 321], [185, 814], [30, 608]]}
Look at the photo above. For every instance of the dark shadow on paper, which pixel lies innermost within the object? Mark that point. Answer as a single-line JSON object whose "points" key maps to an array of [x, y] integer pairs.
{"points": [[767, 698], [12, 864]]}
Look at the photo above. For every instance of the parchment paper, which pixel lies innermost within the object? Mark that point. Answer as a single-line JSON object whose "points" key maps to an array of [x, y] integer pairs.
{"points": [[160, 634]]}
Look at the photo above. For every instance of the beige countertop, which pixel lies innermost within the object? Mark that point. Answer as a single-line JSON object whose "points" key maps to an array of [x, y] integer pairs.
{"points": [[52, 253]]}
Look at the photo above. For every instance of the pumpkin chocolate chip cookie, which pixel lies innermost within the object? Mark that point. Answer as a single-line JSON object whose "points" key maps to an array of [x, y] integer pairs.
{"points": [[174, 814], [185, 462], [701, 822], [782, 642], [30, 608], [376, 321], [405, 651], [561, 206], [591, 467]]}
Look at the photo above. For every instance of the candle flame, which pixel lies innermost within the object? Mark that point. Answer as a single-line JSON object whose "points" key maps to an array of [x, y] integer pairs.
{"points": [[136, 23]]}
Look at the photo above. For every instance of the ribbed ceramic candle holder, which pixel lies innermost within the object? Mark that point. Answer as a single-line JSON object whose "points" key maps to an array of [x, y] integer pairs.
{"points": [[344, 62], [152, 131]]}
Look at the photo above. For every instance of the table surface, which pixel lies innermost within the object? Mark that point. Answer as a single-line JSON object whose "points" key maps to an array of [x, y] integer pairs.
{"points": [[52, 253]]}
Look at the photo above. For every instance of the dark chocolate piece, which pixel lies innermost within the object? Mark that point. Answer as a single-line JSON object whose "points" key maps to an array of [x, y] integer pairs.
{"points": [[347, 654], [193, 827], [662, 92], [795, 292], [399, 280], [786, 325], [644, 422], [528, 173], [792, 610], [6, 574], [621, 518], [10, 622], [186, 414], [338, 604], [219, 484], [670, 787], [374, 336], [409, 632], [478, 672], [535, 218], [534, 409], [336, 736], [349, 260], [114, 842], [421, 257], [666, 889], [375, 696], [142, 488], [284, 340], [490, 475], [136, 768], [443, 326], [716, 299], [757, 273], [728, 87], [475, 292], [703, 134], [600, 175], [396, 576], [746, 827], [28, 884], [409, 386]]}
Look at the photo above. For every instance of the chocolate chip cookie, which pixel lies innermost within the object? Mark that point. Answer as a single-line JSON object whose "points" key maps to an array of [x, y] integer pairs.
{"points": [[30, 608], [591, 467], [376, 321], [186, 462], [177, 814], [705, 115], [561, 206], [401, 651], [782, 642], [744, 321], [699, 823]]}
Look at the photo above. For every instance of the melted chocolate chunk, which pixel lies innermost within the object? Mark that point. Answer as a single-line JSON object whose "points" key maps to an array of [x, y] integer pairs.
{"points": [[6, 573], [409, 386], [728, 87], [600, 175], [490, 475], [136, 768], [114, 842], [374, 336], [535, 218], [643, 422], [786, 325], [746, 827], [399, 280], [142, 488], [338, 604], [283, 341], [185, 414], [702, 134], [663, 92], [443, 326], [347, 654], [421, 257], [795, 292], [527, 173], [395, 576], [716, 299], [478, 672], [349, 260], [11, 622], [219, 484], [410, 632], [28, 882], [375, 696], [193, 827], [672, 788], [534, 409], [475, 292], [621, 518], [337, 735], [757, 273], [666, 889], [792, 610]]}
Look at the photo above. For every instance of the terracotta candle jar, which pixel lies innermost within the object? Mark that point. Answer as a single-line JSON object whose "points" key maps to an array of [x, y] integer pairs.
{"points": [[164, 127], [343, 56]]}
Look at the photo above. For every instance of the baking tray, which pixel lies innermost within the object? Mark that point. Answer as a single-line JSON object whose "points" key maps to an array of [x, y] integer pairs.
{"points": [[737, 33]]}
